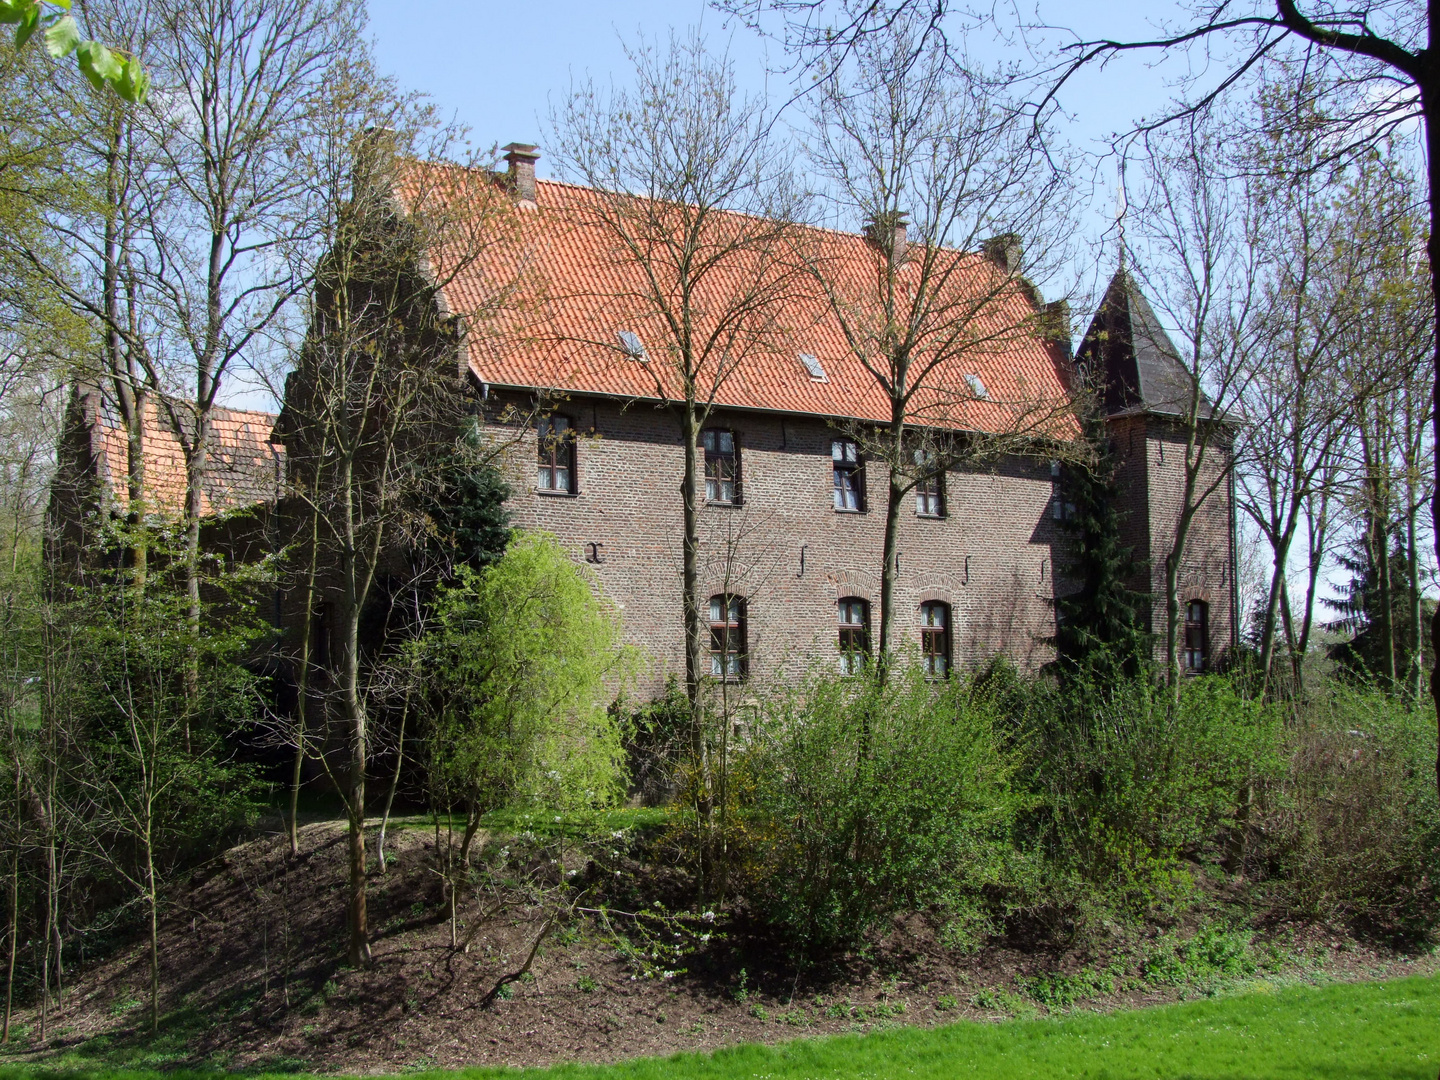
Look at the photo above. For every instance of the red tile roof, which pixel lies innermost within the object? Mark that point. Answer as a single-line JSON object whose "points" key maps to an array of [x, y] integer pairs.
{"points": [[242, 468], [577, 295]]}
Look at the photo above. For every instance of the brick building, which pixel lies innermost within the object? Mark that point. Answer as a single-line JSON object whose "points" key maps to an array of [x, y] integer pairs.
{"points": [[1145, 394], [793, 524]]}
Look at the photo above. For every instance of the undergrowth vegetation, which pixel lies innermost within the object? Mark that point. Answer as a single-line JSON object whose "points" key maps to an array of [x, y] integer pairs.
{"points": [[999, 805]]}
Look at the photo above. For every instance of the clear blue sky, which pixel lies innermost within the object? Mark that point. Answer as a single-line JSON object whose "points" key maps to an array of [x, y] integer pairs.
{"points": [[496, 65]]}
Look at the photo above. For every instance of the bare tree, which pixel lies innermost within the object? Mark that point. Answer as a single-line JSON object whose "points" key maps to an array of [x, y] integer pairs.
{"points": [[692, 194], [1292, 403], [202, 205], [1205, 276], [962, 208], [378, 399]]}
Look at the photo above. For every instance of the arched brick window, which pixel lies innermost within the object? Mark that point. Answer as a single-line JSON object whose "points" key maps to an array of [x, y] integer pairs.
{"points": [[935, 639], [854, 615], [727, 637], [1197, 636]]}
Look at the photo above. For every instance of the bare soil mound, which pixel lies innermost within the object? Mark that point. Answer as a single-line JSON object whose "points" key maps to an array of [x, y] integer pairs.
{"points": [[254, 974]]}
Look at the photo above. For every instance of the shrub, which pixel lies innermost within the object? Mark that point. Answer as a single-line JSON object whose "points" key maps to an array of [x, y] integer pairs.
{"points": [[871, 799], [1354, 830], [519, 669], [1131, 785]]}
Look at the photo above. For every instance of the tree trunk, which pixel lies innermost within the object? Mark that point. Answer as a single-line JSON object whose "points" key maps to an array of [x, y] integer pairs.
{"points": [[694, 635], [359, 950], [889, 566], [154, 903], [1414, 677], [1379, 540], [14, 935], [395, 783], [1428, 90], [1281, 550], [302, 688]]}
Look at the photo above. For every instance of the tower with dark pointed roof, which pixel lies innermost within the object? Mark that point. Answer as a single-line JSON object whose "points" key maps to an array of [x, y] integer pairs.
{"points": [[1145, 394]]}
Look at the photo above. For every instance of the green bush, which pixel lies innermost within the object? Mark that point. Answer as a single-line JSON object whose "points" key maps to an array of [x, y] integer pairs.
{"points": [[1353, 831], [1132, 786], [870, 799]]}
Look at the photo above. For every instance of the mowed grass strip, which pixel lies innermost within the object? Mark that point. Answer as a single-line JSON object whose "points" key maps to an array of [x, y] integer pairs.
{"points": [[1359, 1031]]}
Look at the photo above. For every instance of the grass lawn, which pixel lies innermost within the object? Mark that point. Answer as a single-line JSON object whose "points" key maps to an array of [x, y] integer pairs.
{"points": [[1364, 1031]]}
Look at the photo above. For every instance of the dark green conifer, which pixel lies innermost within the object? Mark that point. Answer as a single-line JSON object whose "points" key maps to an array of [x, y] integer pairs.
{"points": [[1098, 634]]}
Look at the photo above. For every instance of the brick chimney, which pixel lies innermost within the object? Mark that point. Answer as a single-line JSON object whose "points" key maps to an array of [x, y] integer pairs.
{"points": [[886, 231], [521, 158], [1004, 251]]}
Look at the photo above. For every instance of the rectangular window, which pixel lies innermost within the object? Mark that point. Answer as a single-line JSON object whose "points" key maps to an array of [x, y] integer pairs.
{"points": [[727, 637], [722, 465], [854, 635], [930, 488], [935, 639], [556, 466], [849, 475]]}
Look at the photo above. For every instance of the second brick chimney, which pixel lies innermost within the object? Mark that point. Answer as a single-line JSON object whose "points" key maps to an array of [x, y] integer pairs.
{"points": [[887, 231], [521, 158], [1004, 251]]}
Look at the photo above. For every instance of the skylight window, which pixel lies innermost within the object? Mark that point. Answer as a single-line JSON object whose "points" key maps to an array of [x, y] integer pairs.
{"points": [[632, 345], [977, 387], [812, 365]]}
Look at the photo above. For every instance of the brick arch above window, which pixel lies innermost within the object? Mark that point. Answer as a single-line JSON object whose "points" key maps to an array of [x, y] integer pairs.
{"points": [[855, 583], [936, 594]]}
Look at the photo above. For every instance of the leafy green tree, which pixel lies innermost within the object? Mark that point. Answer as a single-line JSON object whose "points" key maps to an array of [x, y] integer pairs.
{"points": [[523, 659], [1098, 634], [99, 63]]}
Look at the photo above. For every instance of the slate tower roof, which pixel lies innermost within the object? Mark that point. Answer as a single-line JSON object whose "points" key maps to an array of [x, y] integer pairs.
{"points": [[1133, 364]]}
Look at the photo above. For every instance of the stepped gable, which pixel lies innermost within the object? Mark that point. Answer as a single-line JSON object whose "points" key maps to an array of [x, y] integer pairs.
{"points": [[245, 468], [573, 296], [1131, 360]]}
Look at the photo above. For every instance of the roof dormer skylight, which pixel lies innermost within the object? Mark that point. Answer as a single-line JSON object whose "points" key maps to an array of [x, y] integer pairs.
{"points": [[812, 365], [977, 387], [631, 344]]}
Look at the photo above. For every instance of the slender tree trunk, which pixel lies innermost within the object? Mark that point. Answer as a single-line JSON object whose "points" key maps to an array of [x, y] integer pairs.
{"points": [[1429, 109], [395, 783], [302, 688], [359, 951], [889, 566], [153, 900], [1381, 554], [1281, 550], [13, 936], [694, 636], [1414, 668]]}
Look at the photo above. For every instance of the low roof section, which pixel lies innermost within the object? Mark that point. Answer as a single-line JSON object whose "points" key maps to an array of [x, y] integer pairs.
{"points": [[245, 468]]}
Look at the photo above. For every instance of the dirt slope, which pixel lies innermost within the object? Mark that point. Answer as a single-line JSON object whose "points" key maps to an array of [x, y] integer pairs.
{"points": [[254, 974]]}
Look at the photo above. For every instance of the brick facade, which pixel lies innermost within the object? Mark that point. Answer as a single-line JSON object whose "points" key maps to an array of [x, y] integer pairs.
{"points": [[991, 557]]}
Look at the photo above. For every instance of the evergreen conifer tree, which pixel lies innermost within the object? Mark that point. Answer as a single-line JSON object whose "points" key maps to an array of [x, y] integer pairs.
{"points": [[1098, 634]]}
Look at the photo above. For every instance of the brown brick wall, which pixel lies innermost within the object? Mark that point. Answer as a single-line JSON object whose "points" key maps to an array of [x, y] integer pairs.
{"points": [[628, 500], [1151, 472]]}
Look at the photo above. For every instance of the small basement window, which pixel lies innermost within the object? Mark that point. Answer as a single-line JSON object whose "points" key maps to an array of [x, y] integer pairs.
{"points": [[812, 365], [631, 345]]}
